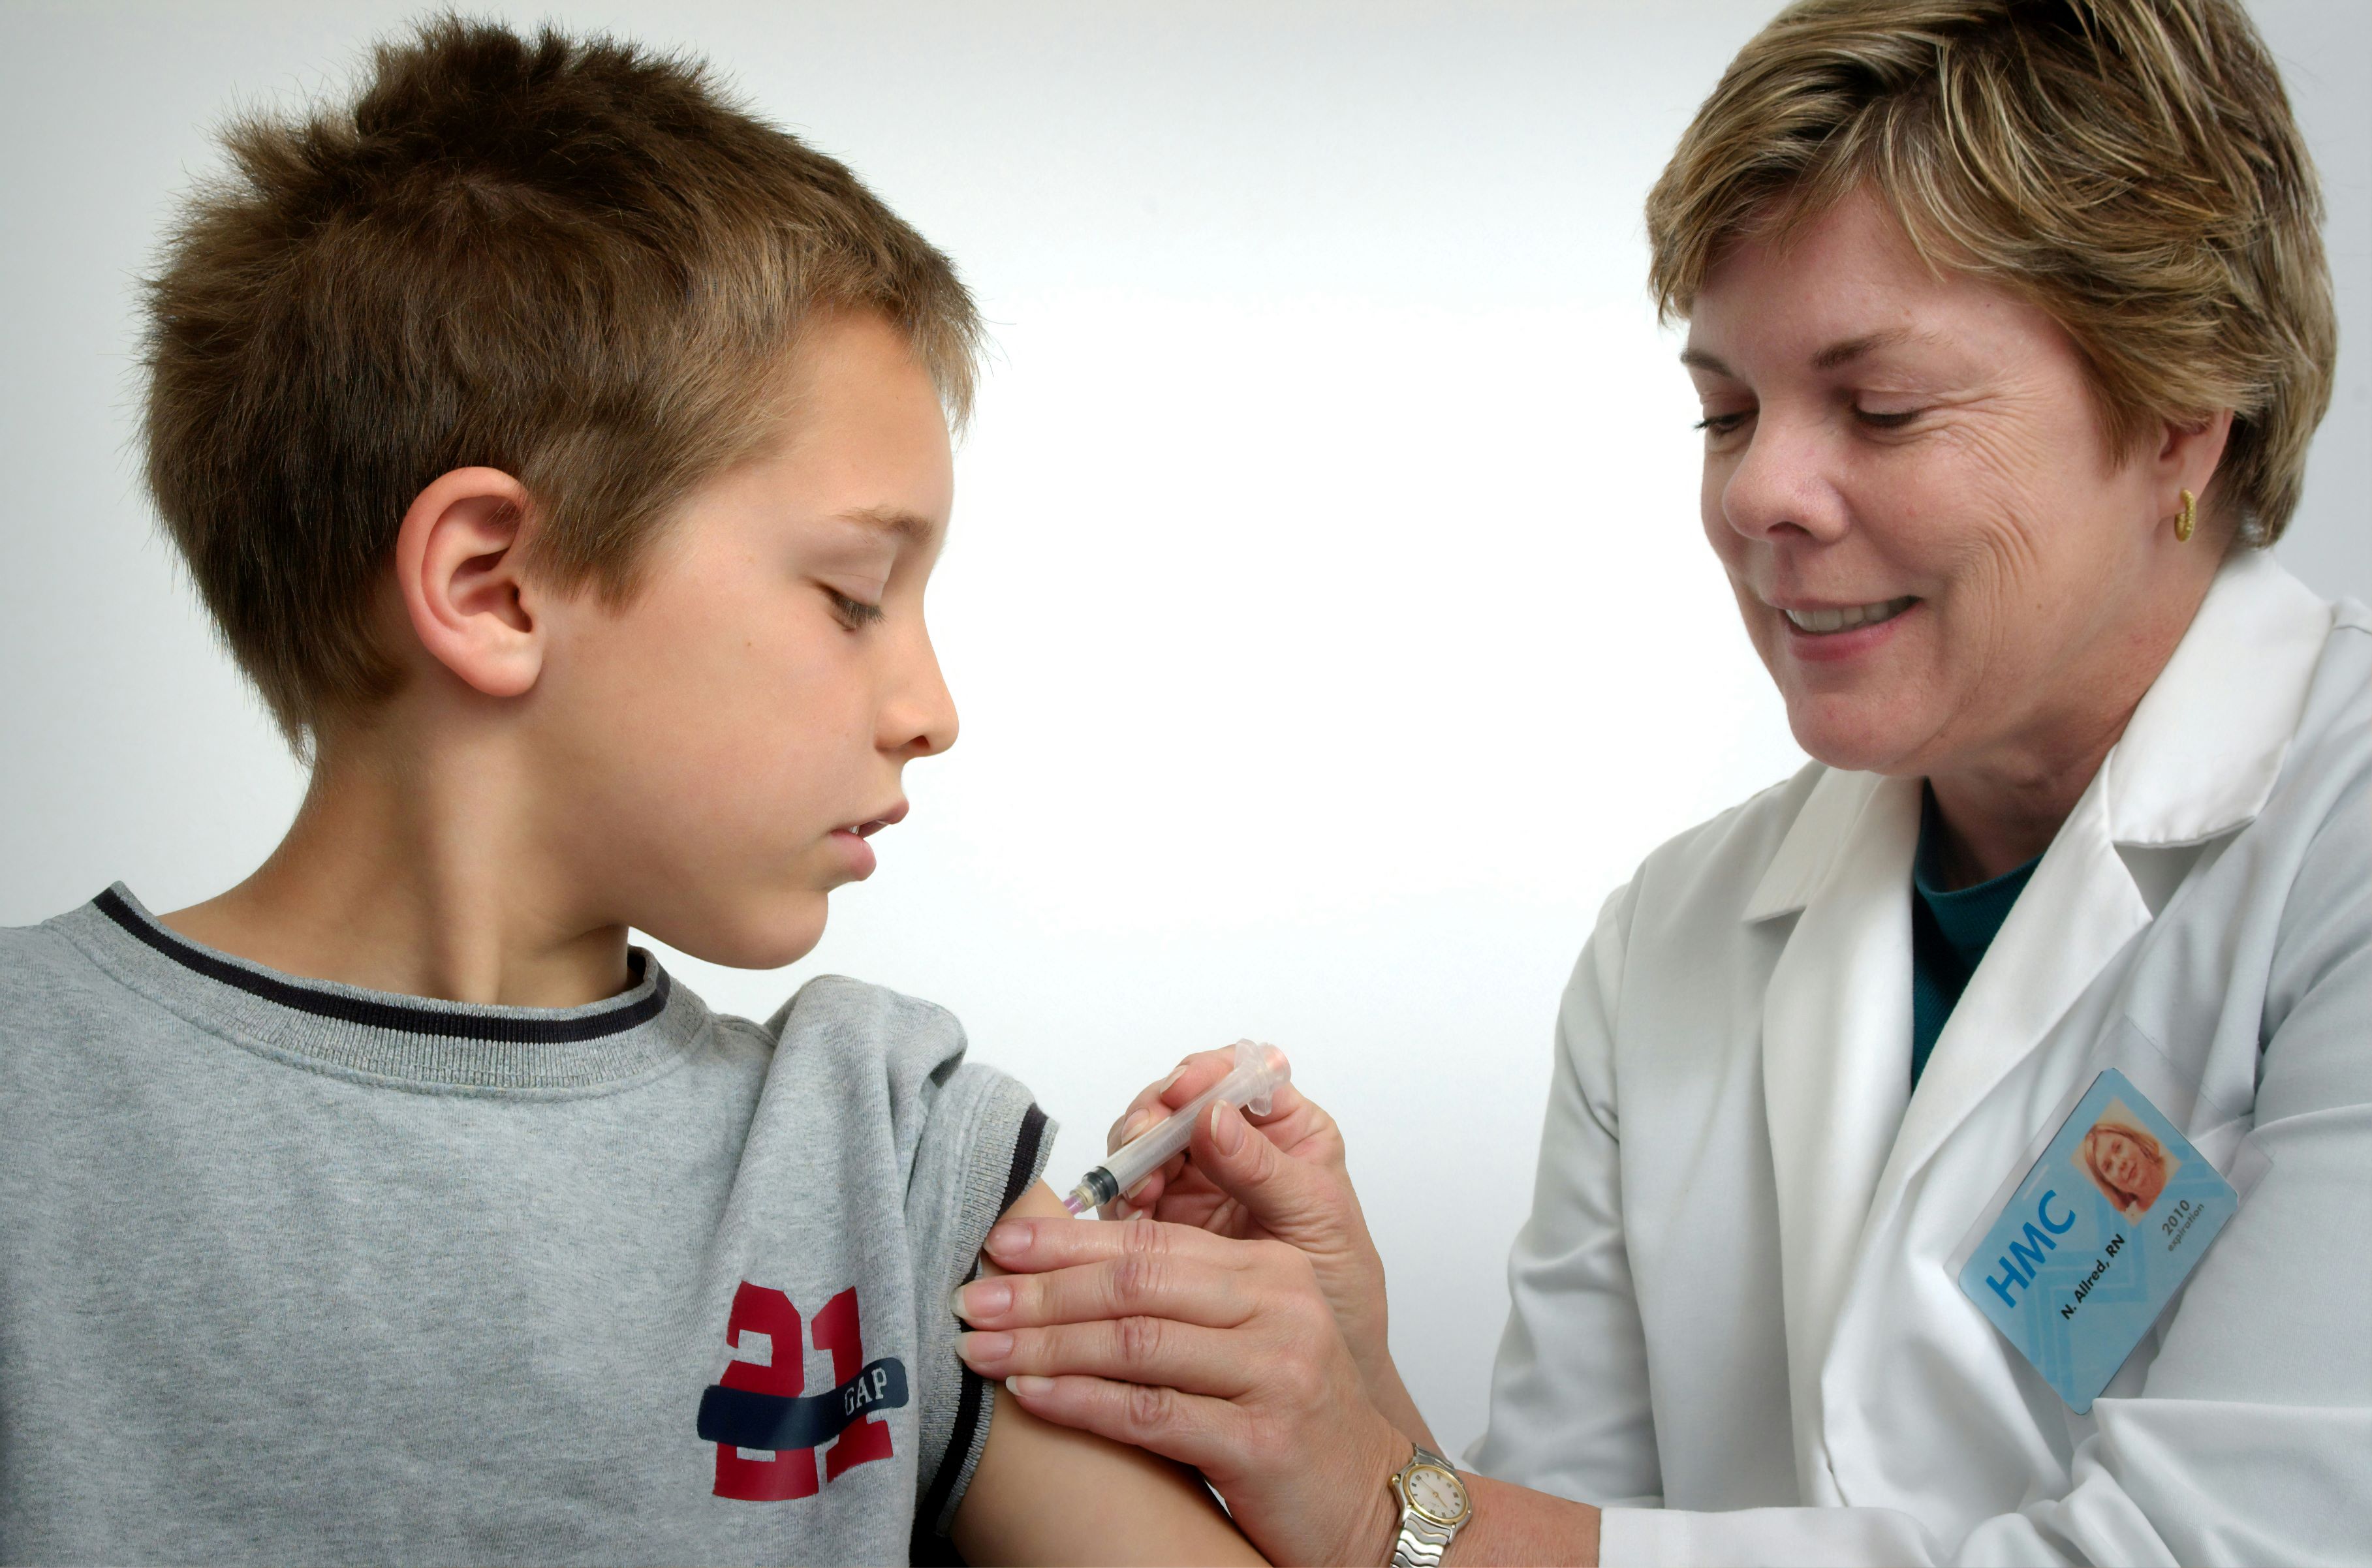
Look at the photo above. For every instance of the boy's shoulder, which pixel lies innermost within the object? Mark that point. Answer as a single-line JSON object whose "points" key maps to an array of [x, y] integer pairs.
{"points": [[44, 972], [838, 1000], [855, 1044], [22, 947], [856, 1022]]}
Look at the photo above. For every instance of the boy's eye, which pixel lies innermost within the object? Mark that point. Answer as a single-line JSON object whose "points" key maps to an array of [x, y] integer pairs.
{"points": [[1721, 423], [854, 613]]}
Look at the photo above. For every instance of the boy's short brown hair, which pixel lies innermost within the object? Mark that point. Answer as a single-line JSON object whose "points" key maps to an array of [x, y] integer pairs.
{"points": [[2130, 166], [567, 258]]}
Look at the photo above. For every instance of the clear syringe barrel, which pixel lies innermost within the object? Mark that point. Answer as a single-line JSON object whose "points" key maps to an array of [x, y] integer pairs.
{"points": [[1258, 1071]]}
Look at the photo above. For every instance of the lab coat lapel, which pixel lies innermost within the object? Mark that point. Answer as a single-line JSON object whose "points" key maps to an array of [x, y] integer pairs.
{"points": [[1836, 1028], [2079, 909]]}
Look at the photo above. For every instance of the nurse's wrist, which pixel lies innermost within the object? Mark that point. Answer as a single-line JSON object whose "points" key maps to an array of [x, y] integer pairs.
{"points": [[1353, 1495], [1510, 1523], [1376, 1541], [1383, 1532], [1392, 1397]]}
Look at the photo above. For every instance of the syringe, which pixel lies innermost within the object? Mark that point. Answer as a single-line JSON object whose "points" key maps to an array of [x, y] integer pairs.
{"points": [[1258, 1071]]}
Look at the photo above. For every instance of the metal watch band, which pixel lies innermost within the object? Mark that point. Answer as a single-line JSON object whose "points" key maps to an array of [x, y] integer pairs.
{"points": [[1421, 1541]]}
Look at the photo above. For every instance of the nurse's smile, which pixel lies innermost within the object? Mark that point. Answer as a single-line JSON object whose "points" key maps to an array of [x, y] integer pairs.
{"points": [[1833, 633]]}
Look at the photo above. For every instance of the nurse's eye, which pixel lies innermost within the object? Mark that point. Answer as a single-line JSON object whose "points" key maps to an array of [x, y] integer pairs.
{"points": [[854, 613], [1877, 419]]}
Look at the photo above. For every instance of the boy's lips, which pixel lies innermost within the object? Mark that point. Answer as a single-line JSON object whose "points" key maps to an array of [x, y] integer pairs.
{"points": [[873, 825], [852, 838]]}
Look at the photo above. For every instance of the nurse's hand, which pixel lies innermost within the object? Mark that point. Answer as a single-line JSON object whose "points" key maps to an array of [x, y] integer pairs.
{"points": [[1287, 1184], [1216, 1353]]}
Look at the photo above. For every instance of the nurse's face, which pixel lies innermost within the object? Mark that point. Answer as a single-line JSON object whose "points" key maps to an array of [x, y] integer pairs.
{"points": [[2122, 1162], [1937, 556]]}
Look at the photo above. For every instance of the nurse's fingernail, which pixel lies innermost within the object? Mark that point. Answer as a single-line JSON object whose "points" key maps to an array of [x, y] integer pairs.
{"points": [[982, 1298], [1022, 1385], [1226, 1128], [1009, 1239], [1127, 1127], [977, 1348]]}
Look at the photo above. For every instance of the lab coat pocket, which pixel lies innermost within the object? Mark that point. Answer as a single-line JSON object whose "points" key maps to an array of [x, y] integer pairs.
{"points": [[2216, 1128]]}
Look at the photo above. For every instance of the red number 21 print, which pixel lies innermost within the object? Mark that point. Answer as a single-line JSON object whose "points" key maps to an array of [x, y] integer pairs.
{"points": [[764, 1407]]}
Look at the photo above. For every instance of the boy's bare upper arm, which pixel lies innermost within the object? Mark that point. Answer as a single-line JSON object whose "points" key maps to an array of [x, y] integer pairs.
{"points": [[1047, 1494]]}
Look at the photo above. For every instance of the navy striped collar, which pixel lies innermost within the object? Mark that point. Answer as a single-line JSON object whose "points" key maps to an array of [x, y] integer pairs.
{"points": [[386, 1035]]}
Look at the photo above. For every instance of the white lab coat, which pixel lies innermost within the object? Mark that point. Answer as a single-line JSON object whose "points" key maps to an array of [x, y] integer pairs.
{"points": [[1736, 1321]]}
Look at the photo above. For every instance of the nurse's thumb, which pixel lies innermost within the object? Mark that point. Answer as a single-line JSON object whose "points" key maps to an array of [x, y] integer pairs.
{"points": [[1310, 1207], [1296, 1201]]}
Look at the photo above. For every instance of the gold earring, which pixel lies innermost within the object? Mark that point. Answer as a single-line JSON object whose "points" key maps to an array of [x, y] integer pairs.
{"points": [[2188, 519]]}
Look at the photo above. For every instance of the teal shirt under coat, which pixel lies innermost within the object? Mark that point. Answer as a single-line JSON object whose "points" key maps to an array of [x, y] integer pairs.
{"points": [[1950, 932]]}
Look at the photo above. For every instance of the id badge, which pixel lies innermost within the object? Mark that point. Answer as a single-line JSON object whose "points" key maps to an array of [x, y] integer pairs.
{"points": [[2104, 1228]]}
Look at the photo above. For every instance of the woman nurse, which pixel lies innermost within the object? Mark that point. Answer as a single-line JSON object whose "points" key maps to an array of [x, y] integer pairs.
{"points": [[2126, 1164], [2010, 323]]}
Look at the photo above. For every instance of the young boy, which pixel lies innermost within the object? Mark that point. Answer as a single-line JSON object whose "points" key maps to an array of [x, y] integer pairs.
{"points": [[562, 452]]}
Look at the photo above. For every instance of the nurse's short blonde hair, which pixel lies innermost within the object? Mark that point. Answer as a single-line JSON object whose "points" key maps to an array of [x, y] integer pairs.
{"points": [[2130, 166]]}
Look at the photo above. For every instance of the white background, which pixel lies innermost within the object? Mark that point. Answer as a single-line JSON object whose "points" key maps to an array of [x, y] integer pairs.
{"points": [[1327, 605]]}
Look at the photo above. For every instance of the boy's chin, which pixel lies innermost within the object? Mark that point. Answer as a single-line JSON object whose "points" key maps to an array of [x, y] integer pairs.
{"points": [[764, 933]]}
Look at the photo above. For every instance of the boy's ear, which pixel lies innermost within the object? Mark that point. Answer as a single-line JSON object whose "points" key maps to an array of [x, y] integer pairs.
{"points": [[458, 564]]}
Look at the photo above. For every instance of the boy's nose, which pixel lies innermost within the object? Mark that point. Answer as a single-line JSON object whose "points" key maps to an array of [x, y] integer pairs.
{"points": [[920, 719]]}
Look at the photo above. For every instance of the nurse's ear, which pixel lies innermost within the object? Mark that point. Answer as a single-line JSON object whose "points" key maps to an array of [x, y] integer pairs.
{"points": [[2187, 458]]}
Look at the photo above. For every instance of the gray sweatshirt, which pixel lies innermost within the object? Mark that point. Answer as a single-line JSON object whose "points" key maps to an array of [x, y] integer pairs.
{"points": [[292, 1271]]}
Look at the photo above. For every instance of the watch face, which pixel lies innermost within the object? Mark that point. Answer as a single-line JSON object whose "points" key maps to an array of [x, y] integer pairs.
{"points": [[1435, 1493]]}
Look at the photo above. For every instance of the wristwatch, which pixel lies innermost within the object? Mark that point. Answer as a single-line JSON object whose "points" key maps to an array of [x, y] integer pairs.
{"points": [[1434, 1508]]}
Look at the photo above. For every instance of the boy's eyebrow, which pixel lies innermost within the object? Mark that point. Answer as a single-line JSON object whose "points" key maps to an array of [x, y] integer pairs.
{"points": [[912, 526]]}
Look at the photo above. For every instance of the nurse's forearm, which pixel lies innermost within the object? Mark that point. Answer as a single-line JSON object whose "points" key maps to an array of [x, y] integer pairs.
{"points": [[1515, 1524]]}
